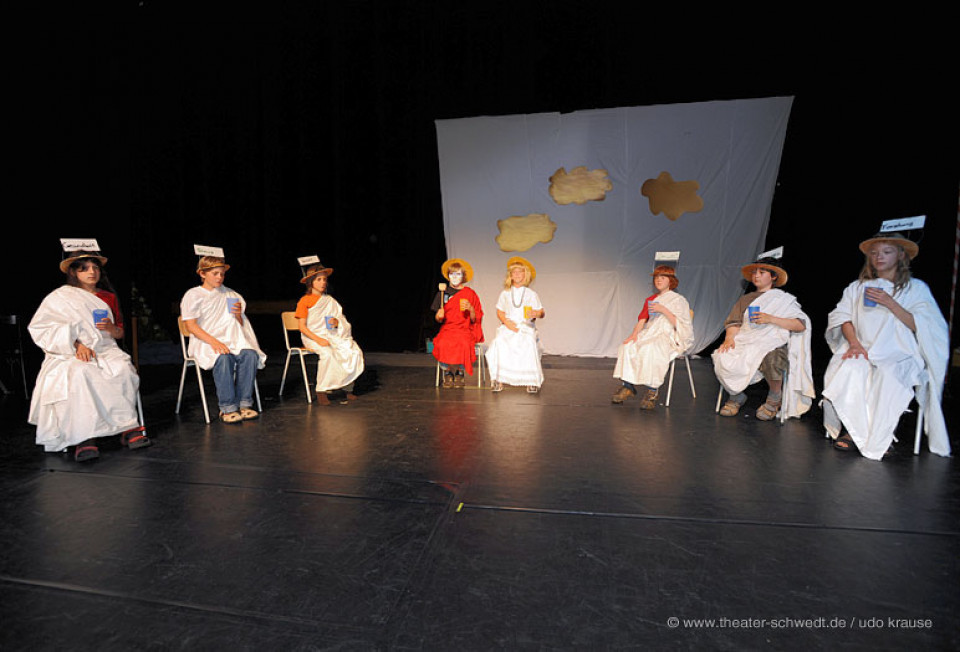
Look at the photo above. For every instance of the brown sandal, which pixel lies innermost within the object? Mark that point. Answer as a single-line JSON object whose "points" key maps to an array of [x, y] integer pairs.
{"points": [[768, 411], [730, 409], [135, 438], [86, 451]]}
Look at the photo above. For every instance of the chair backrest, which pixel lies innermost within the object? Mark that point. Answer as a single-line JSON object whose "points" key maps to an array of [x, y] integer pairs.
{"points": [[184, 334], [290, 323]]}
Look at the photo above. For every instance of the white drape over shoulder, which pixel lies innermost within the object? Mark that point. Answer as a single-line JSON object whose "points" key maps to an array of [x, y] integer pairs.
{"points": [[738, 367], [74, 400], [869, 396], [209, 308], [645, 360], [341, 363]]}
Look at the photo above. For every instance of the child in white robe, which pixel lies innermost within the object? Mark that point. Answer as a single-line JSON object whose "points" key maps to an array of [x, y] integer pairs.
{"points": [[514, 356], [663, 332], [87, 386], [326, 331], [890, 344], [222, 339], [766, 335]]}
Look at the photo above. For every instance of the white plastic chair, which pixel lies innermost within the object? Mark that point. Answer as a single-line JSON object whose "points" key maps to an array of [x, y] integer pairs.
{"points": [[693, 390], [686, 359], [290, 323], [479, 348], [192, 362]]}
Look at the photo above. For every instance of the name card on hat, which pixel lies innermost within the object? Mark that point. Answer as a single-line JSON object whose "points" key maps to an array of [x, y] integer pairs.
{"points": [[903, 224], [79, 244], [773, 253], [666, 256], [202, 250], [308, 260]]}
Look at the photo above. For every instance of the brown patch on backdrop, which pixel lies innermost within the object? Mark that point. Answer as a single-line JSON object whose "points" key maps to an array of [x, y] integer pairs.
{"points": [[519, 233], [672, 198]]}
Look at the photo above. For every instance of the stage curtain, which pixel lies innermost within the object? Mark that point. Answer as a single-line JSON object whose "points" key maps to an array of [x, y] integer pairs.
{"points": [[595, 272]]}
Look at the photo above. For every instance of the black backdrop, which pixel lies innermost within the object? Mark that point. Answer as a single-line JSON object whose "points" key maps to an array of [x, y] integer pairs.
{"points": [[283, 132]]}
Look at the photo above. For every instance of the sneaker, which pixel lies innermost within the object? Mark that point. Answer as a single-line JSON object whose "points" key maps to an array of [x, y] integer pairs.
{"points": [[622, 394], [459, 381], [447, 380], [496, 386], [532, 389]]}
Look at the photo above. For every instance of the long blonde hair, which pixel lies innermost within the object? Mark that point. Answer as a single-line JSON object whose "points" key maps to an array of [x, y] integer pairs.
{"points": [[527, 277], [900, 277]]}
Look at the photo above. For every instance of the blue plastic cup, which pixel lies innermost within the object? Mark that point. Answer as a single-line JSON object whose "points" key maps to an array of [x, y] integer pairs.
{"points": [[329, 321], [752, 312], [866, 300], [231, 303], [100, 315]]}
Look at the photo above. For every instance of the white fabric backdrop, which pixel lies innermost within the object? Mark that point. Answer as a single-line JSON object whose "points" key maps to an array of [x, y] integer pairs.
{"points": [[595, 273]]}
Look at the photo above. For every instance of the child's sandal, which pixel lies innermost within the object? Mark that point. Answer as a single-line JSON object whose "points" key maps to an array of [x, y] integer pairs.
{"points": [[86, 451], [135, 438]]}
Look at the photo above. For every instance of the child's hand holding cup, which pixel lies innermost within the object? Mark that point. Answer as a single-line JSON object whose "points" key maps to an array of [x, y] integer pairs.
{"points": [[752, 312]]}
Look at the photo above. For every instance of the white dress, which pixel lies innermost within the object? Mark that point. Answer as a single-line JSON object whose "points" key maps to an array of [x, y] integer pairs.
{"points": [[210, 309], [341, 363], [514, 357], [645, 360], [739, 367], [74, 400], [869, 396]]}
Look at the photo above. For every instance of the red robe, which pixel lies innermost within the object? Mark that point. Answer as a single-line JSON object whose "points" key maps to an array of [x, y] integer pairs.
{"points": [[457, 339]]}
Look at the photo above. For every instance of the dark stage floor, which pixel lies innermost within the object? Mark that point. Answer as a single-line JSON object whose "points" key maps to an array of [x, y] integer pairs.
{"points": [[420, 518]]}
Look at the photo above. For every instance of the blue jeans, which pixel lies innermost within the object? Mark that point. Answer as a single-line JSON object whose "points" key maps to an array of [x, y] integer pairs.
{"points": [[234, 376]]}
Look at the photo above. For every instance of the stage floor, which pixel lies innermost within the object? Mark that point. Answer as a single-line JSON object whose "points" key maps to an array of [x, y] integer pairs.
{"points": [[423, 518]]}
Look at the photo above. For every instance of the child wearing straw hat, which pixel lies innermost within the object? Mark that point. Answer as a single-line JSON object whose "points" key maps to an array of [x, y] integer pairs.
{"points": [[222, 339], [514, 356], [890, 344], [766, 336], [87, 386], [457, 308], [326, 331]]}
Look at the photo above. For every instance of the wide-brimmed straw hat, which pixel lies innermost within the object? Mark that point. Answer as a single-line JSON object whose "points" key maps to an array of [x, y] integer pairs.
{"points": [[77, 255], [315, 270], [909, 246], [467, 269], [520, 260], [770, 264]]}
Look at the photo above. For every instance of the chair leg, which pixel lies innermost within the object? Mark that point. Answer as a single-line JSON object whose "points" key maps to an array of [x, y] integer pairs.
{"points": [[919, 433], [693, 390], [286, 364], [480, 367], [306, 383], [783, 399], [719, 399], [437, 381], [256, 392], [670, 384], [203, 394], [183, 377]]}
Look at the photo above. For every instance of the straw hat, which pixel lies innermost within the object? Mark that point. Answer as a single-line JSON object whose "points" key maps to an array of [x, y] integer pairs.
{"points": [[770, 264], [909, 246], [66, 262], [519, 260], [314, 270], [467, 270]]}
